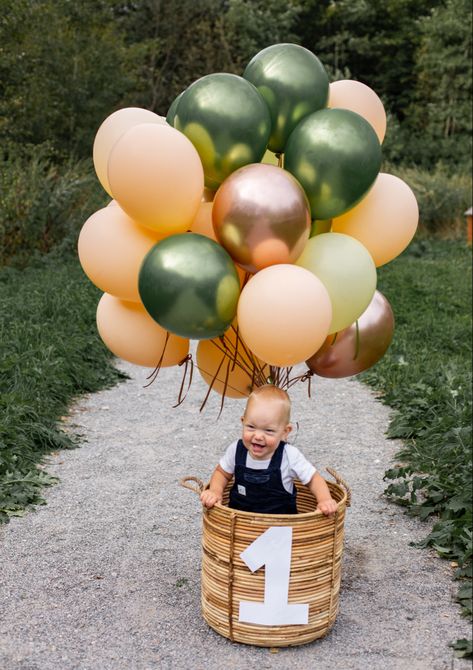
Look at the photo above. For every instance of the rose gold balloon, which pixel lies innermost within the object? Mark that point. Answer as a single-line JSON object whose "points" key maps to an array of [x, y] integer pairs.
{"points": [[345, 353], [261, 216]]}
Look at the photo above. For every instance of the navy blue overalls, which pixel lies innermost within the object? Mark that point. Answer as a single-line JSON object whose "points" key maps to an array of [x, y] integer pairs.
{"points": [[261, 490]]}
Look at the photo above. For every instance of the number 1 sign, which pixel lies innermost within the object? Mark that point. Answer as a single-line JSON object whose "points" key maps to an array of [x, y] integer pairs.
{"points": [[273, 549]]}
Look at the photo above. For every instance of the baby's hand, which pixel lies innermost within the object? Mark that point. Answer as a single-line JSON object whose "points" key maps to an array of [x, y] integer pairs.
{"points": [[209, 498], [327, 507]]}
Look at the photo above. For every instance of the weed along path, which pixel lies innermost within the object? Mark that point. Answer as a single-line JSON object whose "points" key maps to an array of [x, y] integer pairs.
{"points": [[106, 576]]}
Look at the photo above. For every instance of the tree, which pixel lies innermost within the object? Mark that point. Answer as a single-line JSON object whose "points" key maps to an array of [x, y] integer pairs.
{"points": [[442, 110], [61, 72]]}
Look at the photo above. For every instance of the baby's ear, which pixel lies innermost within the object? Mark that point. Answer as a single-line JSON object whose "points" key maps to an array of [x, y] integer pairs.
{"points": [[288, 428]]}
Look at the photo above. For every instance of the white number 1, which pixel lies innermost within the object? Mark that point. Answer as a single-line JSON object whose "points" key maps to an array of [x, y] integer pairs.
{"points": [[272, 549]]}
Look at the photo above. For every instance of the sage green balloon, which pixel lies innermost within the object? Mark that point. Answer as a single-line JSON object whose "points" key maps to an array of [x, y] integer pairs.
{"points": [[346, 269], [189, 285], [227, 121], [293, 82], [336, 156]]}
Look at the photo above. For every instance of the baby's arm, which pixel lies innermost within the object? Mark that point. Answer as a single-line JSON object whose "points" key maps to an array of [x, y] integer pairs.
{"points": [[217, 485], [325, 503]]}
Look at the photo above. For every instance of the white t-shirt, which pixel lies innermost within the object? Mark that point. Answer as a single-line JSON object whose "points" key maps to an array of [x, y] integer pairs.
{"points": [[293, 465]]}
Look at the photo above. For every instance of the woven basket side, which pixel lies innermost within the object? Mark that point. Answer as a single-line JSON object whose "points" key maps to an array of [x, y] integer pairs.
{"points": [[317, 545]]}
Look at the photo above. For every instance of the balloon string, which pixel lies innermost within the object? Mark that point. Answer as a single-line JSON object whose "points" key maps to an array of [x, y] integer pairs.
{"points": [[225, 386], [211, 384], [185, 361], [357, 341], [156, 370]]}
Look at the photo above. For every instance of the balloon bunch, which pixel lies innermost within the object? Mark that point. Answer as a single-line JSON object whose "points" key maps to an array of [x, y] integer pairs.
{"points": [[252, 219]]}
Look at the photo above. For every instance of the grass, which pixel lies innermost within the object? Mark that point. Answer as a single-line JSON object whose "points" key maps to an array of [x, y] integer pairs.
{"points": [[426, 378], [51, 353]]}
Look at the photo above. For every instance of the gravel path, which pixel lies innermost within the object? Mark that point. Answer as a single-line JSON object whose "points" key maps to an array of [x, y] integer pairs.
{"points": [[106, 576]]}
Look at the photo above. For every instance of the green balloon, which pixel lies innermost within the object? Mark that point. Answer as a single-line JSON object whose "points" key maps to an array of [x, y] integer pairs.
{"points": [[227, 121], [189, 285], [293, 83], [172, 111], [336, 156], [346, 269]]}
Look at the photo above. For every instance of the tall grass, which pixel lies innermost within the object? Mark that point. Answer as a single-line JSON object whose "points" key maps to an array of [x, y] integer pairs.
{"points": [[50, 353]]}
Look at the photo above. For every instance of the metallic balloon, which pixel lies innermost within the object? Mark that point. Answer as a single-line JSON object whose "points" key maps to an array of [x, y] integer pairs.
{"points": [[261, 216], [172, 111], [189, 285], [357, 347], [227, 121], [294, 84], [336, 156]]}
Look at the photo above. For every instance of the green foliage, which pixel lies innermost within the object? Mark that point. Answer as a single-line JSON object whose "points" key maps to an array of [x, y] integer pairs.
{"points": [[441, 110], [43, 203], [61, 72], [170, 46], [443, 197], [462, 648], [50, 354], [426, 378]]}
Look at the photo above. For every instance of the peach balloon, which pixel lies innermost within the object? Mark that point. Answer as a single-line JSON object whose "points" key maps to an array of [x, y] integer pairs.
{"points": [[111, 249], [130, 333], [213, 364], [156, 176], [385, 221], [284, 312], [202, 223], [359, 98], [111, 130]]}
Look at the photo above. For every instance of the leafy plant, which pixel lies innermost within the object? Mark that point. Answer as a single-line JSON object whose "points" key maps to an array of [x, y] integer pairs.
{"points": [[426, 378]]}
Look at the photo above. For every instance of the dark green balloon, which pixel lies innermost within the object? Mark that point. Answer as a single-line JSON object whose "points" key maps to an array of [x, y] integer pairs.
{"points": [[336, 156], [189, 285], [294, 84], [227, 121], [172, 111]]}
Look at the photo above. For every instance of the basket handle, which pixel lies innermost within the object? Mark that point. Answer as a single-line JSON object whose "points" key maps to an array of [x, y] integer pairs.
{"points": [[196, 489], [342, 483]]}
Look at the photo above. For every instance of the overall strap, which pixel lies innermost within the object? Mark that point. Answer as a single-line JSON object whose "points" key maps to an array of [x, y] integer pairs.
{"points": [[276, 459], [240, 454]]}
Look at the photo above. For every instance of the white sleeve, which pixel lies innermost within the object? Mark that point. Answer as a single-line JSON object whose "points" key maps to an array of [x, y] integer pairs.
{"points": [[227, 462], [299, 466]]}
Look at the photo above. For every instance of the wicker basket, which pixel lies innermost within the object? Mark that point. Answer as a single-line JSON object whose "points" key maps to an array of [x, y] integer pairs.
{"points": [[317, 545]]}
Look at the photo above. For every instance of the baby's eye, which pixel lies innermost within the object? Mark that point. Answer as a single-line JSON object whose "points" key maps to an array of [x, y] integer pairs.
{"points": [[270, 431]]}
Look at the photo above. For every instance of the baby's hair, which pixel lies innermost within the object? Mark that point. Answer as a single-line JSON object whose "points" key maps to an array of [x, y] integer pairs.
{"points": [[271, 392]]}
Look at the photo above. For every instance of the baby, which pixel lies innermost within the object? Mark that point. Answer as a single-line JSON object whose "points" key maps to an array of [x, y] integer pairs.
{"points": [[263, 465]]}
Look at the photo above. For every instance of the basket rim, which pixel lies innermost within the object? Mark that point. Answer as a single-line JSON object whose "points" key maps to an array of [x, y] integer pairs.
{"points": [[300, 515]]}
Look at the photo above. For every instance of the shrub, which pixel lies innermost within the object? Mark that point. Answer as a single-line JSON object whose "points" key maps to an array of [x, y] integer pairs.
{"points": [[42, 203], [443, 197]]}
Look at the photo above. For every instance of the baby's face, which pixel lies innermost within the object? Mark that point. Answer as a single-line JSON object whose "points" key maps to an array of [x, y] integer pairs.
{"points": [[264, 426]]}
